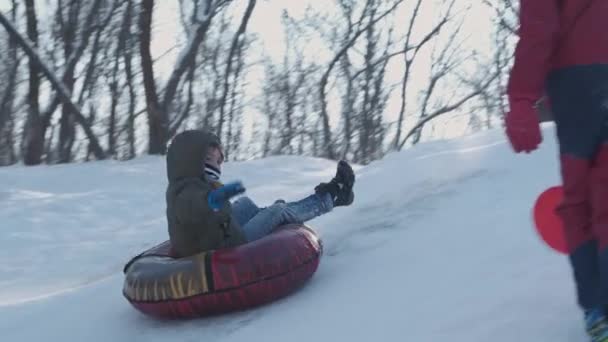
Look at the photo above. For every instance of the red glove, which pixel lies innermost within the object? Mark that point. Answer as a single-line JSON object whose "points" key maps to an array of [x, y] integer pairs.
{"points": [[523, 126]]}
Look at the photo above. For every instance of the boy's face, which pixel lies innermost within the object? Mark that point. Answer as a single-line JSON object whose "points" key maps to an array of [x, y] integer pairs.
{"points": [[215, 157]]}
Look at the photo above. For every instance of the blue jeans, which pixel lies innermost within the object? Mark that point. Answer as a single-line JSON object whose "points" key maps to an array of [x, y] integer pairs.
{"points": [[258, 222]]}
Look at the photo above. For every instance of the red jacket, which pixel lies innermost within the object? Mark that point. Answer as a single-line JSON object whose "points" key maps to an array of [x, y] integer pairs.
{"points": [[555, 34]]}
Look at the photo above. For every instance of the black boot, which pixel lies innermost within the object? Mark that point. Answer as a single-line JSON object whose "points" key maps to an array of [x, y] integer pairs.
{"points": [[341, 186]]}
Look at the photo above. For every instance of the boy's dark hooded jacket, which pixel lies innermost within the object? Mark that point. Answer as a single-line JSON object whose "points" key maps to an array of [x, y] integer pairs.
{"points": [[193, 226]]}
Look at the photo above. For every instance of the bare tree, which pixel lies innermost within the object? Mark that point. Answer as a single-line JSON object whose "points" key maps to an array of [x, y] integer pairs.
{"points": [[270, 108], [349, 97], [157, 119], [216, 101], [356, 28], [493, 102], [211, 56], [10, 64], [129, 74], [33, 139], [443, 65], [237, 95], [85, 21], [91, 78], [286, 93], [447, 59], [159, 107], [506, 16], [236, 45], [410, 54], [37, 122], [374, 97]]}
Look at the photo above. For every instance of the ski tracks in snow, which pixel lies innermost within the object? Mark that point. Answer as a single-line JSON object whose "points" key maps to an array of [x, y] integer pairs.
{"points": [[401, 209]]}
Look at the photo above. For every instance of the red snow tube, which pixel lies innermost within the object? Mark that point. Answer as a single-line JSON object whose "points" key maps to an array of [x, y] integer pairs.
{"points": [[223, 280]]}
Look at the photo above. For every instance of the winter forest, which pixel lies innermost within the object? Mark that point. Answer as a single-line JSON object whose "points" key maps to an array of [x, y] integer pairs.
{"points": [[352, 79]]}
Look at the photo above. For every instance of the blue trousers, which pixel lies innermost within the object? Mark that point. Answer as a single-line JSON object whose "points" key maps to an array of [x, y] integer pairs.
{"points": [[258, 222]]}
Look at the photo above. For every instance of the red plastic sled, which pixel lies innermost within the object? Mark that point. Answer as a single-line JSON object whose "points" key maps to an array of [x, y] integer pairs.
{"points": [[548, 225]]}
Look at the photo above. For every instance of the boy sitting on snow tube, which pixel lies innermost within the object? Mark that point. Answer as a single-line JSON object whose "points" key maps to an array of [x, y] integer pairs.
{"points": [[200, 215]]}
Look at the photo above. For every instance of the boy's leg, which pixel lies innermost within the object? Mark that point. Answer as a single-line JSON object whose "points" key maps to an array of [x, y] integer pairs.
{"points": [[243, 210], [308, 208], [282, 213]]}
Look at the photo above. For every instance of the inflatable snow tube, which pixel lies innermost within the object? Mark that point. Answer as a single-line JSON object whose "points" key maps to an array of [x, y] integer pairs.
{"points": [[222, 280]]}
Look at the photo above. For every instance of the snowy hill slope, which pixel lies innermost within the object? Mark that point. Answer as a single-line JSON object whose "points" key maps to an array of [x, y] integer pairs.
{"points": [[437, 246]]}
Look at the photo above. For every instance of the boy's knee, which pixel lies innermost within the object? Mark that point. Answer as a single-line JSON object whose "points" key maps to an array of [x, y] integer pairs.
{"points": [[277, 207], [286, 214], [244, 199], [245, 203]]}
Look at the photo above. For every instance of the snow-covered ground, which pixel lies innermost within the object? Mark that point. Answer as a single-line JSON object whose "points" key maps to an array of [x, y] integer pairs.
{"points": [[438, 246]]}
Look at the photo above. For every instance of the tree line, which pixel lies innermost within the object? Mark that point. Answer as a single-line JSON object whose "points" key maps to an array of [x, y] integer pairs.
{"points": [[81, 81]]}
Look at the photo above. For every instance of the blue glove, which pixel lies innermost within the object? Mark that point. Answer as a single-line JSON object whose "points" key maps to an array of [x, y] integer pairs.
{"points": [[219, 196]]}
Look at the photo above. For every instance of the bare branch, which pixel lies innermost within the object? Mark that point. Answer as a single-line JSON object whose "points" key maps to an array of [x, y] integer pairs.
{"points": [[501, 14], [204, 15], [183, 115], [90, 70], [327, 140], [447, 109], [409, 61]]}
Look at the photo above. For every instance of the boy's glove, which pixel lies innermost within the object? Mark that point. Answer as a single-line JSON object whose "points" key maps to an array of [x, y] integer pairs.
{"points": [[219, 196], [523, 126]]}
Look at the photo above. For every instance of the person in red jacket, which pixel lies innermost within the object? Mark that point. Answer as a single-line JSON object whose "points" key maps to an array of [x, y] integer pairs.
{"points": [[562, 56]]}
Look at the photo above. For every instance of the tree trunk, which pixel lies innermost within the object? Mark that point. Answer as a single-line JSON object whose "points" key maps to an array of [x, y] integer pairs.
{"points": [[7, 99], [185, 112], [290, 108], [12, 157], [128, 57], [348, 105], [234, 48], [112, 120], [115, 93], [367, 128], [67, 130], [156, 136], [74, 47], [33, 139], [132, 101]]}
